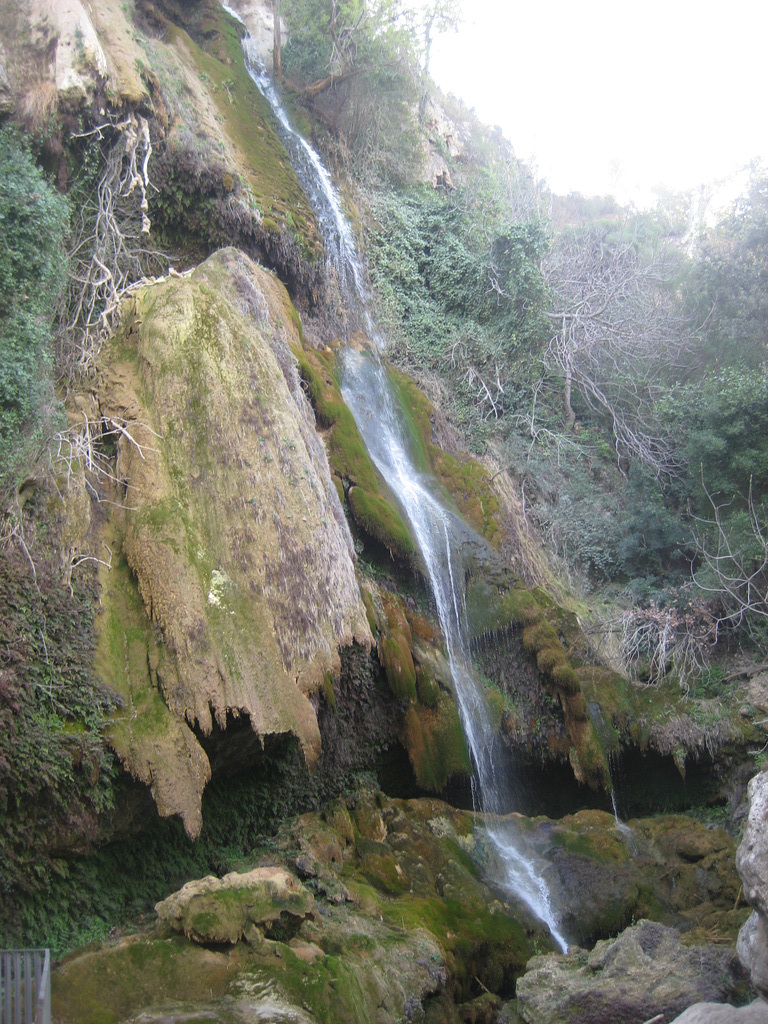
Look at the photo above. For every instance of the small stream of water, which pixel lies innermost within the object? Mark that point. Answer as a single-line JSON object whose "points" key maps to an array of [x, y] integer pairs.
{"points": [[438, 531]]}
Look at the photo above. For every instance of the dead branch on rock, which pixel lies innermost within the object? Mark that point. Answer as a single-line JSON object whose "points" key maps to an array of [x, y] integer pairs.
{"points": [[488, 394], [657, 641], [110, 250], [83, 447]]}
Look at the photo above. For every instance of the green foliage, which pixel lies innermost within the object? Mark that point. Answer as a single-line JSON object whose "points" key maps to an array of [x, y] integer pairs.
{"points": [[463, 302], [55, 773], [731, 280], [722, 423], [33, 220]]}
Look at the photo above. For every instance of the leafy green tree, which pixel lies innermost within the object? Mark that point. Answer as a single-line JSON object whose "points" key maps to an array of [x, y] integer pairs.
{"points": [[733, 281], [468, 302], [438, 16], [334, 40], [33, 220], [721, 423], [354, 63]]}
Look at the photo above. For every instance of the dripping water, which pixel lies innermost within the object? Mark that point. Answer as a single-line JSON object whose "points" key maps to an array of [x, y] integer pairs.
{"points": [[609, 743], [441, 536]]}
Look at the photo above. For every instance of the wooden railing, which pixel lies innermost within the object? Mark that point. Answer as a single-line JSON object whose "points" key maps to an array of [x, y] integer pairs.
{"points": [[25, 986]]}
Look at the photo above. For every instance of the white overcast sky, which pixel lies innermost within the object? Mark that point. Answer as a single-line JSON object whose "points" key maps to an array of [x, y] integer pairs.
{"points": [[616, 97]]}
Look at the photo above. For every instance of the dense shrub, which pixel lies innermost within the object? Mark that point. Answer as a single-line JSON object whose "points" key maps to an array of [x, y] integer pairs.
{"points": [[33, 220], [55, 772]]}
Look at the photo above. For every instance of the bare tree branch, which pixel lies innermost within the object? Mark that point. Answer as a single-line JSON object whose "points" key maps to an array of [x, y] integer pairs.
{"points": [[615, 334], [110, 250], [734, 570]]}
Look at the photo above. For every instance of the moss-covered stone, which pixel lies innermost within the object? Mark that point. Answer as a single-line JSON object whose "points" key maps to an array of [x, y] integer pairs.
{"points": [[380, 521], [215, 911], [490, 610], [242, 562], [427, 687], [436, 745], [394, 643], [463, 479], [106, 986]]}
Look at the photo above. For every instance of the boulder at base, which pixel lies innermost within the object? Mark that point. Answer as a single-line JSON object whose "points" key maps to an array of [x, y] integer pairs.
{"points": [[716, 1013], [644, 972]]}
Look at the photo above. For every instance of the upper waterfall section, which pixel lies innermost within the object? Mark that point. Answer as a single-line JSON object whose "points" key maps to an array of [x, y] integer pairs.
{"points": [[342, 258]]}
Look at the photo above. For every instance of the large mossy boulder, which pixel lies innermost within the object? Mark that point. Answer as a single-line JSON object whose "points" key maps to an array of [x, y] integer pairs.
{"points": [[234, 585], [249, 905], [391, 922], [644, 972]]}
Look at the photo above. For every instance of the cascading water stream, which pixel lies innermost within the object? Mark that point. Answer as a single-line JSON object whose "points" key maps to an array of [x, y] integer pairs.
{"points": [[340, 247], [439, 533]]}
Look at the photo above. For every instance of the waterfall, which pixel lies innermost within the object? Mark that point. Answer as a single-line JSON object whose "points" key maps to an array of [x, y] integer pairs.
{"points": [[439, 533], [340, 248]]}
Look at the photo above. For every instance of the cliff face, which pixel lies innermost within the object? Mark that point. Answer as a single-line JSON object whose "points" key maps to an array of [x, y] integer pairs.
{"points": [[241, 586]]}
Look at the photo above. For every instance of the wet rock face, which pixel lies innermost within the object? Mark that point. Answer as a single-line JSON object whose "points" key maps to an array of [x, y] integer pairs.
{"points": [[643, 972], [752, 864]]}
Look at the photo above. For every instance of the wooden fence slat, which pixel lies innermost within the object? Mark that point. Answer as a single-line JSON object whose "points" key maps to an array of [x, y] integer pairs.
{"points": [[25, 986], [43, 1010], [16, 961], [7, 993], [28, 981]]}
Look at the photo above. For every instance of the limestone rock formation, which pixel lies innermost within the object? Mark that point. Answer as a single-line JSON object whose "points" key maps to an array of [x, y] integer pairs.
{"points": [[643, 972], [752, 864], [78, 59], [90, 45], [228, 524]]}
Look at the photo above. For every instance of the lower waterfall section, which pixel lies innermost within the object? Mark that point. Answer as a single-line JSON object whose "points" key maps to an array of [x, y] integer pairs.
{"points": [[367, 392], [437, 530]]}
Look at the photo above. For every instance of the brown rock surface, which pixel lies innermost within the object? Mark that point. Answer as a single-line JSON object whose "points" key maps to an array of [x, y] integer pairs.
{"points": [[229, 527], [643, 972]]}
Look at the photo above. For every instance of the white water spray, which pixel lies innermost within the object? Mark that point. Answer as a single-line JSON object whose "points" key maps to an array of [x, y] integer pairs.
{"points": [[439, 533], [340, 247]]}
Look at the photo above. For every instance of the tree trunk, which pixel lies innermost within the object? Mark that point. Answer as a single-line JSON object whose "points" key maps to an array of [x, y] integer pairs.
{"points": [[277, 49], [568, 413], [427, 42]]}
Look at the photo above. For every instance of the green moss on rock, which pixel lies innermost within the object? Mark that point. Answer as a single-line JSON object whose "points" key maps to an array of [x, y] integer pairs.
{"points": [[435, 742], [463, 479], [380, 521], [349, 458], [427, 687]]}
